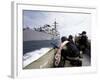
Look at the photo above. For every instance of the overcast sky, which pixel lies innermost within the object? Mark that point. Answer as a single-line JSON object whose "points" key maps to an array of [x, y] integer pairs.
{"points": [[68, 23]]}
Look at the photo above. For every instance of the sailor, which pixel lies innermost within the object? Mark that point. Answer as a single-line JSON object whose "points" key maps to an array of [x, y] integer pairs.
{"points": [[61, 52], [83, 41], [67, 50], [70, 39]]}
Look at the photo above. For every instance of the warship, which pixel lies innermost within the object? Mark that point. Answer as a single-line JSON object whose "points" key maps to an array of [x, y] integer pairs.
{"points": [[38, 42], [40, 37]]}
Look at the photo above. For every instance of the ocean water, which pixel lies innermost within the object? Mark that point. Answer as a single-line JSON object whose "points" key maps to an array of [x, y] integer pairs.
{"points": [[29, 46]]}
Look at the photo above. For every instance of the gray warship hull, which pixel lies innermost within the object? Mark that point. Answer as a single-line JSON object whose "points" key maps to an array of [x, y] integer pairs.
{"points": [[33, 40]]}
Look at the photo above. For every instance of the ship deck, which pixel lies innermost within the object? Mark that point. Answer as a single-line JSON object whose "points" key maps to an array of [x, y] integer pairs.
{"points": [[46, 61]]}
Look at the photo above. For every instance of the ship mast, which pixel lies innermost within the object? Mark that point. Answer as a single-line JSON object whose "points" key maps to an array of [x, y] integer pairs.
{"points": [[54, 30], [55, 25]]}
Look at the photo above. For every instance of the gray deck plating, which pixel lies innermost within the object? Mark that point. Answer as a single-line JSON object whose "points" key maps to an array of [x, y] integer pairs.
{"points": [[47, 61]]}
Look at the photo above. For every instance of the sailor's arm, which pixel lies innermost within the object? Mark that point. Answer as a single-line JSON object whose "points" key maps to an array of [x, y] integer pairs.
{"points": [[61, 46], [58, 54]]}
